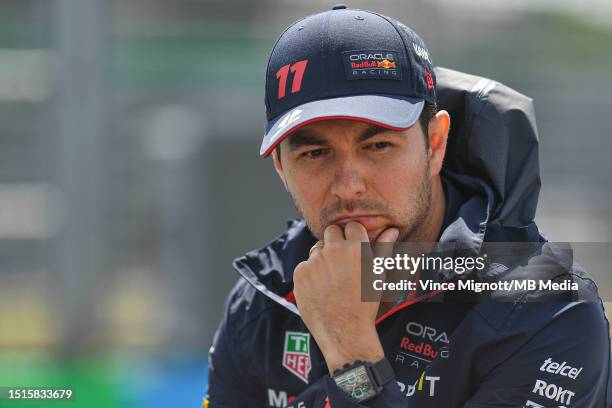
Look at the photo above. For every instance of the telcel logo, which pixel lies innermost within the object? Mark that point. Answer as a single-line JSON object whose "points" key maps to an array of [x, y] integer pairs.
{"points": [[563, 369]]}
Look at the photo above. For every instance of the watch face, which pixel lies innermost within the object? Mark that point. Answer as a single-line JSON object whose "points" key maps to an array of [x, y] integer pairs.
{"points": [[356, 383]]}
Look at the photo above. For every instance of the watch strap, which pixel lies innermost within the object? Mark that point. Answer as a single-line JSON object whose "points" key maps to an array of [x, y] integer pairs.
{"points": [[382, 372]]}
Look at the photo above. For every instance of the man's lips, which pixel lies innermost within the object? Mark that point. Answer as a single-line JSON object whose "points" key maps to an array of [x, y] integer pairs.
{"points": [[367, 220], [374, 224]]}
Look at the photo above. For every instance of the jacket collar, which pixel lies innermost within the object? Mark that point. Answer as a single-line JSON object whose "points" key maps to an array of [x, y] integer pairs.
{"points": [[270, 269]]}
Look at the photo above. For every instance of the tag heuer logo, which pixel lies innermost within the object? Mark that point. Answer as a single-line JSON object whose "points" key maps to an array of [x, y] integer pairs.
{"points": [[296, 357]]}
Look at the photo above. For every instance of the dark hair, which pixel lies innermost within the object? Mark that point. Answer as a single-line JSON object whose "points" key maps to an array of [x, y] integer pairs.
{"points": [[429, 111]]}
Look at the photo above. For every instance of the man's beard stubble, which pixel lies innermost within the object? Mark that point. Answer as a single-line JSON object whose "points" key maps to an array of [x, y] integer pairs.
{"points": [[409, 225]]}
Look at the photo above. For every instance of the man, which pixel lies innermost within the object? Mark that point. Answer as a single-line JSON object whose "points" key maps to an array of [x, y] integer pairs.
{"points": [[357, 140]]}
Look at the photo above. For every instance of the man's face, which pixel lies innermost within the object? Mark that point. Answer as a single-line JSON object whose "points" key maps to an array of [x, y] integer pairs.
{"points": [[342, 170]]}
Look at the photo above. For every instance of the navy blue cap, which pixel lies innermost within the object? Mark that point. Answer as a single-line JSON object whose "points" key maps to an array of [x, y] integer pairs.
{"points": [[346, 64]]}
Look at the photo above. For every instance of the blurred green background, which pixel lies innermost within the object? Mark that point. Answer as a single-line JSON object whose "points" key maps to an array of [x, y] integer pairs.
{"points": [[130, 176]]}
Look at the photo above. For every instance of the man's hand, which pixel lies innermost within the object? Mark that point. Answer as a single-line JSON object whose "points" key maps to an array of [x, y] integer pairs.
{"points": [[327, 289]]}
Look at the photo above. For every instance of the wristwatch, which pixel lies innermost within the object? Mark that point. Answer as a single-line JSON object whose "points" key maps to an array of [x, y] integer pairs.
{"points": [[363, 381]]}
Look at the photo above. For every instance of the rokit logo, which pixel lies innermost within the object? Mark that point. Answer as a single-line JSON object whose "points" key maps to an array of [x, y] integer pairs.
{"points": [[368, 64], [553, 392]]}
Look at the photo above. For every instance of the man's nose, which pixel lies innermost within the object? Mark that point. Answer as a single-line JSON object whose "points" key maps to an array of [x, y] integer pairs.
{"points": [[348, 180]]}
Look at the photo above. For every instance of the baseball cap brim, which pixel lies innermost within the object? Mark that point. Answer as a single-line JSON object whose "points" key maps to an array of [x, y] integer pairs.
{"points": [[388, 111]]}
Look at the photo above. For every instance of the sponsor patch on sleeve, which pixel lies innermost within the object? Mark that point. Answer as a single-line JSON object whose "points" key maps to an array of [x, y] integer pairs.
{"points": [[371, 64]]}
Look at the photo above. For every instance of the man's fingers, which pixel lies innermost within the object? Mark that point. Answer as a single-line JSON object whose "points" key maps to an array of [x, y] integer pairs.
{"points": [[354, 231], [315, 247], [384, 243], [333, 233], [388, 235]]}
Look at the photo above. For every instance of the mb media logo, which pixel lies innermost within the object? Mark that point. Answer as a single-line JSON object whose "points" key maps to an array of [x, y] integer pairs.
{"points": [[296, 357]]}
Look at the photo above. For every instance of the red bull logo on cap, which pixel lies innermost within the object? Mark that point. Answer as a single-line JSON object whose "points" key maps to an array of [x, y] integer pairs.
{"points": [[371, 64]]}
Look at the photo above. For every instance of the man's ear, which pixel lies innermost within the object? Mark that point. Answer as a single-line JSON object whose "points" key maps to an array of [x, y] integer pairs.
{"points": [[439, 126], [278, 167]]}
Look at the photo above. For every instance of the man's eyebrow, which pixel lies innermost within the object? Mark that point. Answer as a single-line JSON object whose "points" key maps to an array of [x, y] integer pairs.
{"points": [[371, 131], [304, 137]]}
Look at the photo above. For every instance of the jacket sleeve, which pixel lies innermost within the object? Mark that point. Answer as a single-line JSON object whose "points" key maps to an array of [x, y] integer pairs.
{"points": [[565, 364], [227, 385]]}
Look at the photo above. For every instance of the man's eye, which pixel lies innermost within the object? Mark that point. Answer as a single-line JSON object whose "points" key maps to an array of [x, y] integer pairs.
{"points": [[379, 145], [313, 154]]}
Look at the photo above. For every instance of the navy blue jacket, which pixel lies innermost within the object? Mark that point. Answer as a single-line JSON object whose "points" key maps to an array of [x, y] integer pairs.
{"points": [[444, 354]]}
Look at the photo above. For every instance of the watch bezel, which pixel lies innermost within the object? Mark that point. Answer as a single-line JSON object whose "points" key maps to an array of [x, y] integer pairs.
{"points": [[372, 380]]}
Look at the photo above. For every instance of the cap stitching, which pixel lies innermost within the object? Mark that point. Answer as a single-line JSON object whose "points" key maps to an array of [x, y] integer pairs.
{"points": [[407, 51], [398, 33], [326, 56]]}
